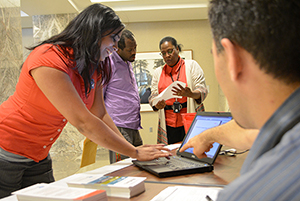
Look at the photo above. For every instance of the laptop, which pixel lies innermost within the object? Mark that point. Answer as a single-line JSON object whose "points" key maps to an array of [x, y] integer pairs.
{"points": [[186, 162]]}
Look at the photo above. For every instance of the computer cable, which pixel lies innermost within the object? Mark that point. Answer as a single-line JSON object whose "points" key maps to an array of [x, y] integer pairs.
{"points": [[231, 152]]}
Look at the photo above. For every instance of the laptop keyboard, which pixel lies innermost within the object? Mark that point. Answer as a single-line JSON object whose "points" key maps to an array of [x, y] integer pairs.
{"points": [[177, 163]]}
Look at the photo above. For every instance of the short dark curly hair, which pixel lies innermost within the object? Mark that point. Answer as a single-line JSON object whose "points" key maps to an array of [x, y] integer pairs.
{"points": [[267, 29], [128, 34]]}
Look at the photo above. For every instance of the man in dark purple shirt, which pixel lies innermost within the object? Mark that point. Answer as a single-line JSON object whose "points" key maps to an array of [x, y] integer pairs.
{"points": [[121, 95]]}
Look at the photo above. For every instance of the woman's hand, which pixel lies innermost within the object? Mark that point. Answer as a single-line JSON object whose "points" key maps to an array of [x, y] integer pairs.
{"points": [[185, 91], [160, 104], [150, 152], [181, 91]]}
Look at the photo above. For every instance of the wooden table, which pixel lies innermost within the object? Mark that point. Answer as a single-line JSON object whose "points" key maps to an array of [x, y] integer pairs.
{"points": [[226, 169]]}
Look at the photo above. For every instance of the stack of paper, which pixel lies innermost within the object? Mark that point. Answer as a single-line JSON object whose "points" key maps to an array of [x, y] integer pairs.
{"points": [[46, 192], [124, 187]]}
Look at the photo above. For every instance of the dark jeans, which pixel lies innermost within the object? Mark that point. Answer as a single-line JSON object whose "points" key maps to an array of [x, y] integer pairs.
{"points": [[132, 136], [175, 134], [17, 175]]}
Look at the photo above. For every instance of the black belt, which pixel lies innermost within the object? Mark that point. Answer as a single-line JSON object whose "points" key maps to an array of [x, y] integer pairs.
{"points": [[170, 107]]}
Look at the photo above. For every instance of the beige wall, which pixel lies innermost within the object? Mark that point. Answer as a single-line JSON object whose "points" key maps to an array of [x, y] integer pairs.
{"points": [[10, 47], [149, 122], [194, 35]]}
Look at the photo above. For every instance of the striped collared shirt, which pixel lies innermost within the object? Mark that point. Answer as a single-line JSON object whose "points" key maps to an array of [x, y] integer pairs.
{"points": [[272, 168]]}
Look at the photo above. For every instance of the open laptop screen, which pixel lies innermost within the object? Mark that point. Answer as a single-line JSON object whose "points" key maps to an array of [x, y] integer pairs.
{"points": [[203, 121]]}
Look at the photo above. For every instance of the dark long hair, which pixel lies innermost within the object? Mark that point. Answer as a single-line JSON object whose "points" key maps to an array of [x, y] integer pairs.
{"points": [[83, 34]]}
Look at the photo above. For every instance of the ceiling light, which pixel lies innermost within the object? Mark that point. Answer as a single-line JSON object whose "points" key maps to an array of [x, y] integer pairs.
{"points": [[160, 7]]}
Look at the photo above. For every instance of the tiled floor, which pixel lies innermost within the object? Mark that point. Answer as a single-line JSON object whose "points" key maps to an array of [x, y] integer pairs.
{"points": [[67, 165]]}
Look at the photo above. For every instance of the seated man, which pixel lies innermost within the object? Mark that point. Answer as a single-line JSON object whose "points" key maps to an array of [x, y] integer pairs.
{"points": [[256, 50]]}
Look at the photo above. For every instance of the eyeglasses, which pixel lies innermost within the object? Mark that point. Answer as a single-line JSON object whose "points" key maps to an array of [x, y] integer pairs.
{"points": [[170, 51], [115, 37]]}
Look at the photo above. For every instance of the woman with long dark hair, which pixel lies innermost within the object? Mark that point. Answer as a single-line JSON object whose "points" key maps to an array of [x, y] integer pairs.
{"points": [[61, 81]]}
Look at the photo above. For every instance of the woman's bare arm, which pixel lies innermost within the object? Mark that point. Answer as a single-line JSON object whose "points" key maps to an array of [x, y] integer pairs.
{"points": [[58, 88]]}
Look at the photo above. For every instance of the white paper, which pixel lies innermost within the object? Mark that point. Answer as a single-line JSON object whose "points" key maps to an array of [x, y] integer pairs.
{"points": [[54, 192], [187, 193], [10, 198], [167, 93], [112, 167]]}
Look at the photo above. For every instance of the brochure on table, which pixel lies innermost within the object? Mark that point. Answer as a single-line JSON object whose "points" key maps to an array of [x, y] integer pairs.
{"points": [[47, 192], [115, 186]]}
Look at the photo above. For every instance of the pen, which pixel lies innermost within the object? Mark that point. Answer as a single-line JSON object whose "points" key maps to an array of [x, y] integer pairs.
{"points": [[208, 198]]}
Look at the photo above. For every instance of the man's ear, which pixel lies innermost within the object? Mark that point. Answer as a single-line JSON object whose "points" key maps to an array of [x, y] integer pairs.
{"points": [[231, 53]]}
